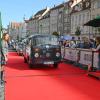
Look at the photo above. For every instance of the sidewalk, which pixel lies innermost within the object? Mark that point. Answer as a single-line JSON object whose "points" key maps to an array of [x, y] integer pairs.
{"points": [[1, 92]]}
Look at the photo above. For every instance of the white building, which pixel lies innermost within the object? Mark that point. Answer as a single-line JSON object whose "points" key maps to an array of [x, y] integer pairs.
{"points": [[44, 24], [22, 31], [12, 29], [34, 23], [95, 11], [53, 20], [81, 14], [60, 19], [17, 30], [67, 18]]}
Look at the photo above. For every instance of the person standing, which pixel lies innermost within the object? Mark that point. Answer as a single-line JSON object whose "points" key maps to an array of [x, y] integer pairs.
{"points": [[97, 49], [3, 54]]}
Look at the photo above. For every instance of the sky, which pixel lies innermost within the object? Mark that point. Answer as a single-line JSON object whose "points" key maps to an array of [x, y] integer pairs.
{"points": [[15, 10]]}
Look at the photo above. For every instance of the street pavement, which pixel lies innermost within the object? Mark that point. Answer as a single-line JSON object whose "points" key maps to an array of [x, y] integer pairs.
{"points": [[2, 92]]}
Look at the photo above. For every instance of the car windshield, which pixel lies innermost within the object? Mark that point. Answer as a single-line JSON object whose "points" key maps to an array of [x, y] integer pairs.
{"points": [[53, 40]]}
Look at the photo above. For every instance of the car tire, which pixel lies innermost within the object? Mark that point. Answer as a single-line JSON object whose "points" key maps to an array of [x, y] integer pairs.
{"points": [[55, 65]]}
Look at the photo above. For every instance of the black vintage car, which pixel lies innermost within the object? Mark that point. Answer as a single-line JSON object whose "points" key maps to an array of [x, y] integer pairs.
{"points": [[42, 49]]}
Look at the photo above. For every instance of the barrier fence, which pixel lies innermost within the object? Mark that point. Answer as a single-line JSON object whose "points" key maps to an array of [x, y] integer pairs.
{"points": [[81, 56]]}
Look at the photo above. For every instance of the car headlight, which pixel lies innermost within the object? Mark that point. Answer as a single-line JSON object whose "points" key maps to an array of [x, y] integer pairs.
{"points": [[57, 54], [36, 55], [47, 46]]}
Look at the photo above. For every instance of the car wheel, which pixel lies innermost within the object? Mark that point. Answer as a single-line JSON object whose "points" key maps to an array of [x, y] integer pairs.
{"points": [[55, 65]]}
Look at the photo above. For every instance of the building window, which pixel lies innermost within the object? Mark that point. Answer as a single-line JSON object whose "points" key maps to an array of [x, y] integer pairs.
{"points": [[93, 16], [83, 18], [76, 20], [94, 5], [79, 19], [98, 4]]}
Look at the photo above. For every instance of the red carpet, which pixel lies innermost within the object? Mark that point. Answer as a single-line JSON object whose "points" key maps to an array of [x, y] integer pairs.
{"points": [[65, 83]]}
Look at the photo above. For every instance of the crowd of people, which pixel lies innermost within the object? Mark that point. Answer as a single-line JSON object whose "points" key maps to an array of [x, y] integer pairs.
{"points": [[85, 43]]}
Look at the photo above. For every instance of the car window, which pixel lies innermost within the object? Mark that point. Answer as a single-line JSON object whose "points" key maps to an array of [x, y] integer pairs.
{"points": [[46, 40]]}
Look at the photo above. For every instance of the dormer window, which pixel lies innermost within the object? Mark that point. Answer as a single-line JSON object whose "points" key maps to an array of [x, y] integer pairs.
{"points": [[98, 4], [87, 4]]}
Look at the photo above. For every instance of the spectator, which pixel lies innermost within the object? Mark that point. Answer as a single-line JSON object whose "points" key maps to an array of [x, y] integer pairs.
{"points": [[86, 43], [72, 44], [98, 49], [92, 43], [3, 54]]}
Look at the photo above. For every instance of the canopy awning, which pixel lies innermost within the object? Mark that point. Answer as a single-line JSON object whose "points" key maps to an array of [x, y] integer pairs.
{"points": [[94, 23]]}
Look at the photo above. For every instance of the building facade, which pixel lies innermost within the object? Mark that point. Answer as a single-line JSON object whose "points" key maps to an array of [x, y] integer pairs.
{"points": [[21, 31], [17, 30], [13, 30], [80, 14], [95, 11], [36, 24], [64, 19], [44, 24], [67, 18], [53, 20]]}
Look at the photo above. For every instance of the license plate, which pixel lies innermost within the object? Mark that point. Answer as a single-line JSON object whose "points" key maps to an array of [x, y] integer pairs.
{"points": [[51, 62]]}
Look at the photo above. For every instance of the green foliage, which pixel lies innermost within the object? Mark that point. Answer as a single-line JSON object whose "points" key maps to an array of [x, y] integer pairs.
{"points": [[55, 33], [78, 31]]}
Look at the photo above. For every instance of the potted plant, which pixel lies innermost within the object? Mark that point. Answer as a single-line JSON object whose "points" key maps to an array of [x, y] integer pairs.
{"points": [[55, 33]]}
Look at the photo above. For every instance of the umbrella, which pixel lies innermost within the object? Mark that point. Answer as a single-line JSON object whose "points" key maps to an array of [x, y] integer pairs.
{"points": [[65, 37], [94, 23]]}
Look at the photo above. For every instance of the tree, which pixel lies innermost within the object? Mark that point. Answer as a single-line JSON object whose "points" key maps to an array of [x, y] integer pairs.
{"points": [[78, 31], [55, 33]]}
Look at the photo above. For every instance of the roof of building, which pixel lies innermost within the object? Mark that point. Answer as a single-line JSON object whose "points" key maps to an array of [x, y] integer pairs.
{"points": [[40, 12], [58, 6]]}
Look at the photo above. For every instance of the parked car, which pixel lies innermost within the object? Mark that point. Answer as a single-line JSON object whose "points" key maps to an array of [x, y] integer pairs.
{"points": [[20, 50], [42, 49]]}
